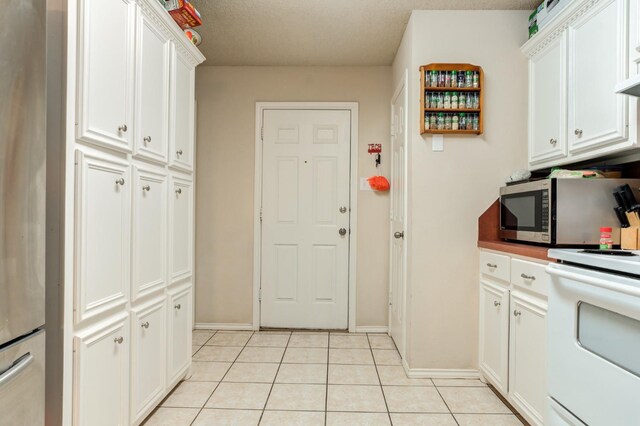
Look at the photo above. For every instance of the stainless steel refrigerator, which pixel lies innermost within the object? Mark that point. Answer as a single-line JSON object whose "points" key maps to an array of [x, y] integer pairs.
{"points": [[22, 211]]}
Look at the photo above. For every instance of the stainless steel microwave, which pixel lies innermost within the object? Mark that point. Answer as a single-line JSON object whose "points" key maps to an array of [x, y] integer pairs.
{"points": [[561, 212]]}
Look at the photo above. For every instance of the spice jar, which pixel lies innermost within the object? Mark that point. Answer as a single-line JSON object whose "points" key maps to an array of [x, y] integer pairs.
{"points": [[440, 121], [454, 79], [476, 122], [476, 79], [440, 104], [469, 104], [469, 122], [468, 79], [447, 79], [454, 100], [461, 100], [606, 242], [460, 79], [455, 122], [476, 101], [447, 100], [426, 121], [441, 79], [434, 79], [432, 121], [463, 121], [447, 122]]}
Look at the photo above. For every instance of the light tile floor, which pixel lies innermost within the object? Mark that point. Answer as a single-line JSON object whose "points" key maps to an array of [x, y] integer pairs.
{"points": [[317, 378]]}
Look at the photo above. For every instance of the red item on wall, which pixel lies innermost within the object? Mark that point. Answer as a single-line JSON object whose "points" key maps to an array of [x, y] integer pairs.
{"points": [[379, 183], [185, 15]]}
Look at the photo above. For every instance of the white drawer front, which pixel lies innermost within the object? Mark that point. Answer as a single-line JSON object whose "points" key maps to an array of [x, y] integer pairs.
{"points": [[530, 276], [494, 265]]}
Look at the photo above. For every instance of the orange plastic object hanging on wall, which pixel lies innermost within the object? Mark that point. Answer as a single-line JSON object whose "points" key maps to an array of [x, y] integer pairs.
{"points": [[379, 183]]}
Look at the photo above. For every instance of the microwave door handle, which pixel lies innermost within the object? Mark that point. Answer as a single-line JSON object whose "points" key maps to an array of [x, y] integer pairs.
{"points": [[18, 367]]}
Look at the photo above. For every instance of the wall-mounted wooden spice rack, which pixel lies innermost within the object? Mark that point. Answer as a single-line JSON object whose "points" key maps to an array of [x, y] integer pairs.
{"points": [[441, 110]]}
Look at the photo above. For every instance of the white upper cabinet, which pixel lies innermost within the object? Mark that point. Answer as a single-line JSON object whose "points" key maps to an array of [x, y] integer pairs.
{"points": [[181, 150], [106, 72], [574, 64], [181, 229], [547, 112], [149, 231], [152, 130], [103, 234], [597, 62]]}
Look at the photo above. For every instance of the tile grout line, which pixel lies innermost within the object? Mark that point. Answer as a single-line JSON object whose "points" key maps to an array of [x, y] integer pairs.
{"points": [[221, 379], [375, 364], [326, 385], [445, 403], [275, 378]]}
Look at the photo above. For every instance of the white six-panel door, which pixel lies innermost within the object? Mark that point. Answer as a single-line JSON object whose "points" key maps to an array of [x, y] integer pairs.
{"points": [[397, 290], [305, 219]]}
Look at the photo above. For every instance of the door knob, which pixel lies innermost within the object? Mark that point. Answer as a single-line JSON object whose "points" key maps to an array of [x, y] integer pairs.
{"points": [[122, 128], [496, 303], [553, 141], [178, 153], [147, 139], [343, 209], [178, 306], [179, 191], [516, 313], [120, 181], [342, 232], [578, 133], [146, 188], [398, 235], [145, 324], [118, 340]]}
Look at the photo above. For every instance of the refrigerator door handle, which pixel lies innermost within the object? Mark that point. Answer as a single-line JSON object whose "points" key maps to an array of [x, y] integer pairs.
{"points": [[18, 366]]}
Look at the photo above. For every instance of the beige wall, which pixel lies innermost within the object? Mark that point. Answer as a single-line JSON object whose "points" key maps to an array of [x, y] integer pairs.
{"points": [[227, 98], [449, 190]]}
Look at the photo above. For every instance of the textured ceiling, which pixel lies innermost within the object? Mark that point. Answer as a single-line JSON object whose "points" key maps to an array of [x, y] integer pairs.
{"points": [[316, 32]]}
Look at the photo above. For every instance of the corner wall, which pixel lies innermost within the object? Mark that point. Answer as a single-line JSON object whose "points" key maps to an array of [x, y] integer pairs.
{"points": [[449, 190], [227, 99]]}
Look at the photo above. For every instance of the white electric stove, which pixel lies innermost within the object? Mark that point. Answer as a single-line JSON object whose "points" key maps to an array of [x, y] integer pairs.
{"points": [[594, 339]]}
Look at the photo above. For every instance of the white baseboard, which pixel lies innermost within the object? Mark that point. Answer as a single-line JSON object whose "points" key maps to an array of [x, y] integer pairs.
{"points": [[439, 373], [223, 326], [372, 329]]}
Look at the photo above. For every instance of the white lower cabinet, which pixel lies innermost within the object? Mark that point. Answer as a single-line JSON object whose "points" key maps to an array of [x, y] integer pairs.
{"points": [[513, 335], [101, 380], [527, 355], [148, 360], [494, 332], [179, 333]]}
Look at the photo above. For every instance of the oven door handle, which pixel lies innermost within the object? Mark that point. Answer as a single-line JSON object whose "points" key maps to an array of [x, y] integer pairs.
{"points": [[596, 282]]}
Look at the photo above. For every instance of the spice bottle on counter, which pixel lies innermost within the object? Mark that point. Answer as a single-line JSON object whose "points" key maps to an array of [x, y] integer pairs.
{"points": [[606, 242]]}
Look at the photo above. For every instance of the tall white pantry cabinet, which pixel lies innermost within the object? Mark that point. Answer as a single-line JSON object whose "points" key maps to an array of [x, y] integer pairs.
{"points": [[129, 210]]}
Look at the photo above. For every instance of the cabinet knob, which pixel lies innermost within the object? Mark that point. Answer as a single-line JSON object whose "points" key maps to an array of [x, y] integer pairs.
{"points": [[178, 306], [553, 141], [119, 340], [146, 188], [496, 303], [147, 139], [179, 191], [145, 324], [120, 181], [492, 265], [122, 128], [528, 277], [578, 133], [517, 313], [178, 153]]}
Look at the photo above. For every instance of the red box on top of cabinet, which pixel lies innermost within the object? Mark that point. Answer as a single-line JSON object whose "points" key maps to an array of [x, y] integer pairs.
{"points": [[185, 15]]}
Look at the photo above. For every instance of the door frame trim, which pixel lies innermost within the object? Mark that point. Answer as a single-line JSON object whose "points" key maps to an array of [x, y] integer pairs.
{"points": [[353, 195], [402, 86]]}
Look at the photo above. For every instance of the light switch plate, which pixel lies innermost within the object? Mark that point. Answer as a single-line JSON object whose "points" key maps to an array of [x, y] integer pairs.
{"points": [[437, 143], [364, 184]]}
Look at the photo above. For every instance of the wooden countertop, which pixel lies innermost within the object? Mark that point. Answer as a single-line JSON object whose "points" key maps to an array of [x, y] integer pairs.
{"points": [[488, 224]]}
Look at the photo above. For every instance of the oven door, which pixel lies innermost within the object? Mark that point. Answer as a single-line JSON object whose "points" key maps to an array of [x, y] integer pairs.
{"points": [[594, 345], [524, 212]]}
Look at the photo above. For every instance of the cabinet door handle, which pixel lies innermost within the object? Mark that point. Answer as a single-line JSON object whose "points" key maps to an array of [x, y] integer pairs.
{"points": [[119, 340], [145, 324], [122, 128], [516, 313], [178, 306], [496, 303], [553, 141], [178, 153], [179, 191], [147, 139], [528, 277], [146, 188], [578, 133], [492, 265], [120, 181]]}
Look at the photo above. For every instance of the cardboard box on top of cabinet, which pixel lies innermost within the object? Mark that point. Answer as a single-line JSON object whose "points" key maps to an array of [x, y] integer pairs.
{"points": [[548, 9], [183, 12]]}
